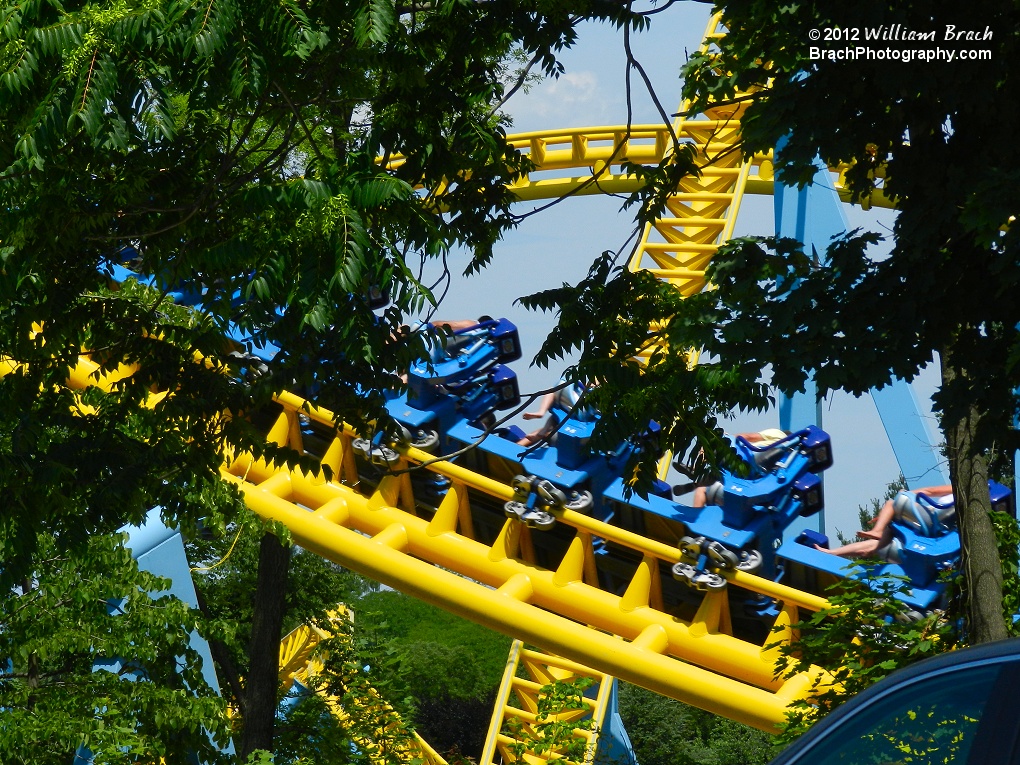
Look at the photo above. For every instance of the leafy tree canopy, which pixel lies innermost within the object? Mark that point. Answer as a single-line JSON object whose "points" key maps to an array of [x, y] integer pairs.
{"points": [[230, 150], [94, 659], [937, 137]]}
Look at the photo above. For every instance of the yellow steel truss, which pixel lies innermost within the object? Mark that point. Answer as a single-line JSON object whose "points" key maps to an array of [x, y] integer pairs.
{"points": [[299, 663], [379, 532], [517, 707], [593, 150]]}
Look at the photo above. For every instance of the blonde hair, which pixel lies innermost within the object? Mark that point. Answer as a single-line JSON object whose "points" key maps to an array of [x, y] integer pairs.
{"points": [[771, 435]]}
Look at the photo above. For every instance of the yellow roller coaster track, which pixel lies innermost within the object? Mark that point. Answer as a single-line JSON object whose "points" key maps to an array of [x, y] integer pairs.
{"points": [[594, 149], [518, 709], [379, 531]]}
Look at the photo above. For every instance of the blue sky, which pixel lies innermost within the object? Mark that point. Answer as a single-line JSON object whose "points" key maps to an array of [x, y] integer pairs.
{"points": [[559, 244]]}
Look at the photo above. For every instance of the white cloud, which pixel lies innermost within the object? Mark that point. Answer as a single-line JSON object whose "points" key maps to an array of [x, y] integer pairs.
{"points": [[576, 98], [573, 87]]}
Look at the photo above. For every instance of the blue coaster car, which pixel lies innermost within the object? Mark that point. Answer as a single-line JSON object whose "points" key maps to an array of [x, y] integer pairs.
{"points": [[566, 462], [925, 542], [743, 520], [255, 352], [561, 474], [464, 381]]}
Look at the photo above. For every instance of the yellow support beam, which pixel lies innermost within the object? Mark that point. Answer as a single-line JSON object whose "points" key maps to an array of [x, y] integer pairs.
{"points": [[564, 610], [702, 211]]}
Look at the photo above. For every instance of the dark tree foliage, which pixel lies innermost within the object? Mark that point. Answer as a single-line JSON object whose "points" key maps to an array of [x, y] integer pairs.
{"points": [[231, 149], [668, 732], [865, 635], [455, 726]]}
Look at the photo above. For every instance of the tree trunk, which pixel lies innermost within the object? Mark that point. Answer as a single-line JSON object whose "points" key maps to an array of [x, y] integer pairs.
{"points": [[982, 569], [262, 686]]}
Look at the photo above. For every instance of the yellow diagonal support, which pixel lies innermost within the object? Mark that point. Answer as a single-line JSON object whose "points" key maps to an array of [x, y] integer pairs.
{"points": [[694, 659], [702, 211], [563, 610]]}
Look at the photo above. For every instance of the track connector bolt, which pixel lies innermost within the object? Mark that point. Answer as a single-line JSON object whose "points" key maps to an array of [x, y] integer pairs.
{"points": [[702, 561], [535, 499]]}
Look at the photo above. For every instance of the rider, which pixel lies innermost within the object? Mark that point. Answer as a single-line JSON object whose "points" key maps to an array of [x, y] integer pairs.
{"points": [[760, 438], [565, 398], [878, 542], [438, 343]]}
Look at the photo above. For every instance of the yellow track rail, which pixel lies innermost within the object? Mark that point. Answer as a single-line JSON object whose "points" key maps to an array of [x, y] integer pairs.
{"points": [[593, 149]]}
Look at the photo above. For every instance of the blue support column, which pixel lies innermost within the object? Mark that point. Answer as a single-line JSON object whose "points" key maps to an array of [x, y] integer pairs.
{"points": [[1016, 453], [910, 436], [812, 215], [160, 551], [614, 743]]}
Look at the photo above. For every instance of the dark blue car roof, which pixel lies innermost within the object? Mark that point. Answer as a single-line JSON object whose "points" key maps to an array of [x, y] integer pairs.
{"points": [[1001, 651]]}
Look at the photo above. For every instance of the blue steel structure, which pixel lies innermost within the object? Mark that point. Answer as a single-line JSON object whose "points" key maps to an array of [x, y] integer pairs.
{"points": [[465, 379], [160, 551], [814, 216]]}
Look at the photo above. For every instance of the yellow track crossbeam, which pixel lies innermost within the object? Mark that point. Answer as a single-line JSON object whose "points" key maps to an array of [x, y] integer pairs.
{"points": [[377, 530], [645, 144]]}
